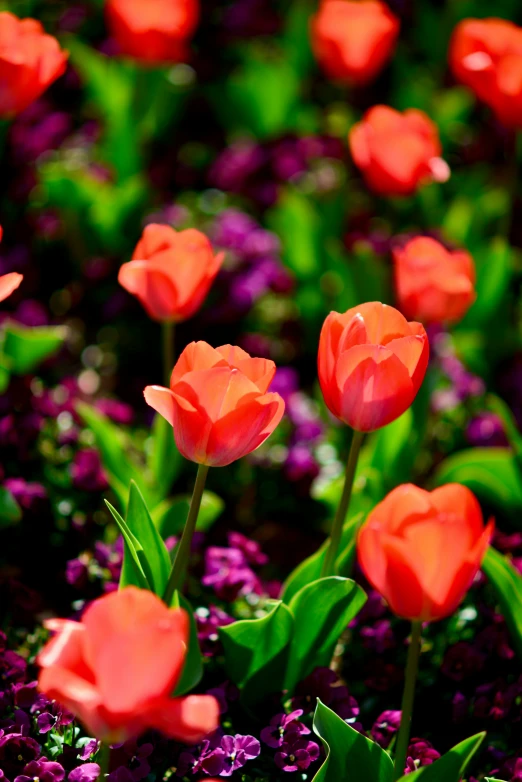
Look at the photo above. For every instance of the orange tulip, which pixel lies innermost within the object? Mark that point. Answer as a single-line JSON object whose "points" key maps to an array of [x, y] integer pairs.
{"points": [[152, 31], [218, 403], [371, 364], [486, 56], [421, 550], [397, 153], [433, 284], [30, 60], [353, 40], [171, 272], [117, 668]]}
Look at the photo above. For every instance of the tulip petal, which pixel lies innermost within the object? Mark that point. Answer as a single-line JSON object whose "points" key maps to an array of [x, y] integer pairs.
{"points": [[403, 591], [155, 290], [124, 632], [76, 694], [456, 498], [9, 283], [409, 351], [216, 391], [161, 400], [187, 719], [196, 356], [402, 506], [374, 387], [191, 430]]}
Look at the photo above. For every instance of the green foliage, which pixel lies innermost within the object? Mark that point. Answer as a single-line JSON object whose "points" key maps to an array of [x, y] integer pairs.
{"points": [[23, 349], [140, 576], [170, 515], [193, 668], [507, 583], [349, 754], [451, 766], [164, 461], [10, 511]]}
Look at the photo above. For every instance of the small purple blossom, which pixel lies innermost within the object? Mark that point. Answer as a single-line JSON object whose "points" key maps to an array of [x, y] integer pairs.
{"points": [[87, 472], [42, 770], [88, 772], [420, 753], [238, 750], [385, 727], [227, 572], [275, 734], [296, 755], [208, 621]]}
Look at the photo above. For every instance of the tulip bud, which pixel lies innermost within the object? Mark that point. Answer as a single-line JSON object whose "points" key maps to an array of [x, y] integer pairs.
{"points": [[421, 550]]}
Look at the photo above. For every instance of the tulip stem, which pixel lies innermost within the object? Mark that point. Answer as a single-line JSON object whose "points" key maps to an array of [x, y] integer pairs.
{"points": [[179, 568], [168, 350], [103, 758], [410, 678], [342, 509]]}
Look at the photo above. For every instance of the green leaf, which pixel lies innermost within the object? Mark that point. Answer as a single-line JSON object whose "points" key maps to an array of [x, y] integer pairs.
{"points": [[10, 511], [138, 577], [451, 766], [25, 348], [322, 610], [349, 754], [256, 652], [142, 527], [310, 569], [507, 583], [489, 472], [494, 267], [193, 668], [170, 516], [296, 222], [165, 461]]}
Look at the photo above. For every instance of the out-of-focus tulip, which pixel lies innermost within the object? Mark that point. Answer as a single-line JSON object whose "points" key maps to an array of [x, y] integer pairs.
{"points": [[397, 152], [8, 282], [153, 31], [171, 272], [486, 56], [433, 284], [117, 668], [421, 550], [353, 40], [371, 364], [218, 403], [30, 60]]}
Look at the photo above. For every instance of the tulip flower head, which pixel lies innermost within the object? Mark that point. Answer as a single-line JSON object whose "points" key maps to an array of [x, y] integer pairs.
{"points": [[371, 364], [397, 152], [421, 550], [8, 282], [171, 272], [218, 403], [117, 668], [486, 56], [433, 284], [153, 31], [352, 40], [30, 61]]}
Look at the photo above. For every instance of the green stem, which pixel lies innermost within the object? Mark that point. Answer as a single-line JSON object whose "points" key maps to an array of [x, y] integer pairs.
{"points": [[344, 504], [412, 666], [179, 568], [103, 760], [168, 350]]}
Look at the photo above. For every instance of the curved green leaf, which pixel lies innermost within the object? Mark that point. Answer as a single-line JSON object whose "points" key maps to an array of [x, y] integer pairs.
{"points": [[25, 348], [137, 576], [193, 668], [451, 766], [140, 524], [507, 583], [349, 754], [322, 610]]}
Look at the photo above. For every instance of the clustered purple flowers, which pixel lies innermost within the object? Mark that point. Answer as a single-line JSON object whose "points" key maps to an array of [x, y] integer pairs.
{"points": [[229, 570], [285, 733], [220, 755]]}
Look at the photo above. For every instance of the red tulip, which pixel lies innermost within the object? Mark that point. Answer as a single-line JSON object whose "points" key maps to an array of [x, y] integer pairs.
{"points": [[171, 272], [153, 31], [352, 40], [218, 403], [117, 668], [486, 55], [421, 550], [397, 153], [433, 284], [371, 364], [30, 60]]}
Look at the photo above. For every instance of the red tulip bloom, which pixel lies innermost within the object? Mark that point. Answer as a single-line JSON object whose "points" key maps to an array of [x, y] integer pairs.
{"points": [[486, 56], [171, 272], [371, 364], [218, 403], [153, 31], [421, 550], [30, 60], [397, 153], [433, 284], [353, 40], [117, 668]]}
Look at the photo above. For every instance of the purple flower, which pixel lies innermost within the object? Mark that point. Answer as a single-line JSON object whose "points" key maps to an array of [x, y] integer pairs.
{"points": [[27, 495], [250, 548], [134, 757], [275, 734], [385, 727], [42, 770], [117, 411], [228, 574], [207, 757], [238, 749], [235, 164], [297, 755], [16, 751], [77, 571], [50, 714], [88, 772], [486, 429], [300, 463], [89, 749], [87, 471], [379, 637], [323, 683], [420, 753], [208, 621]]}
